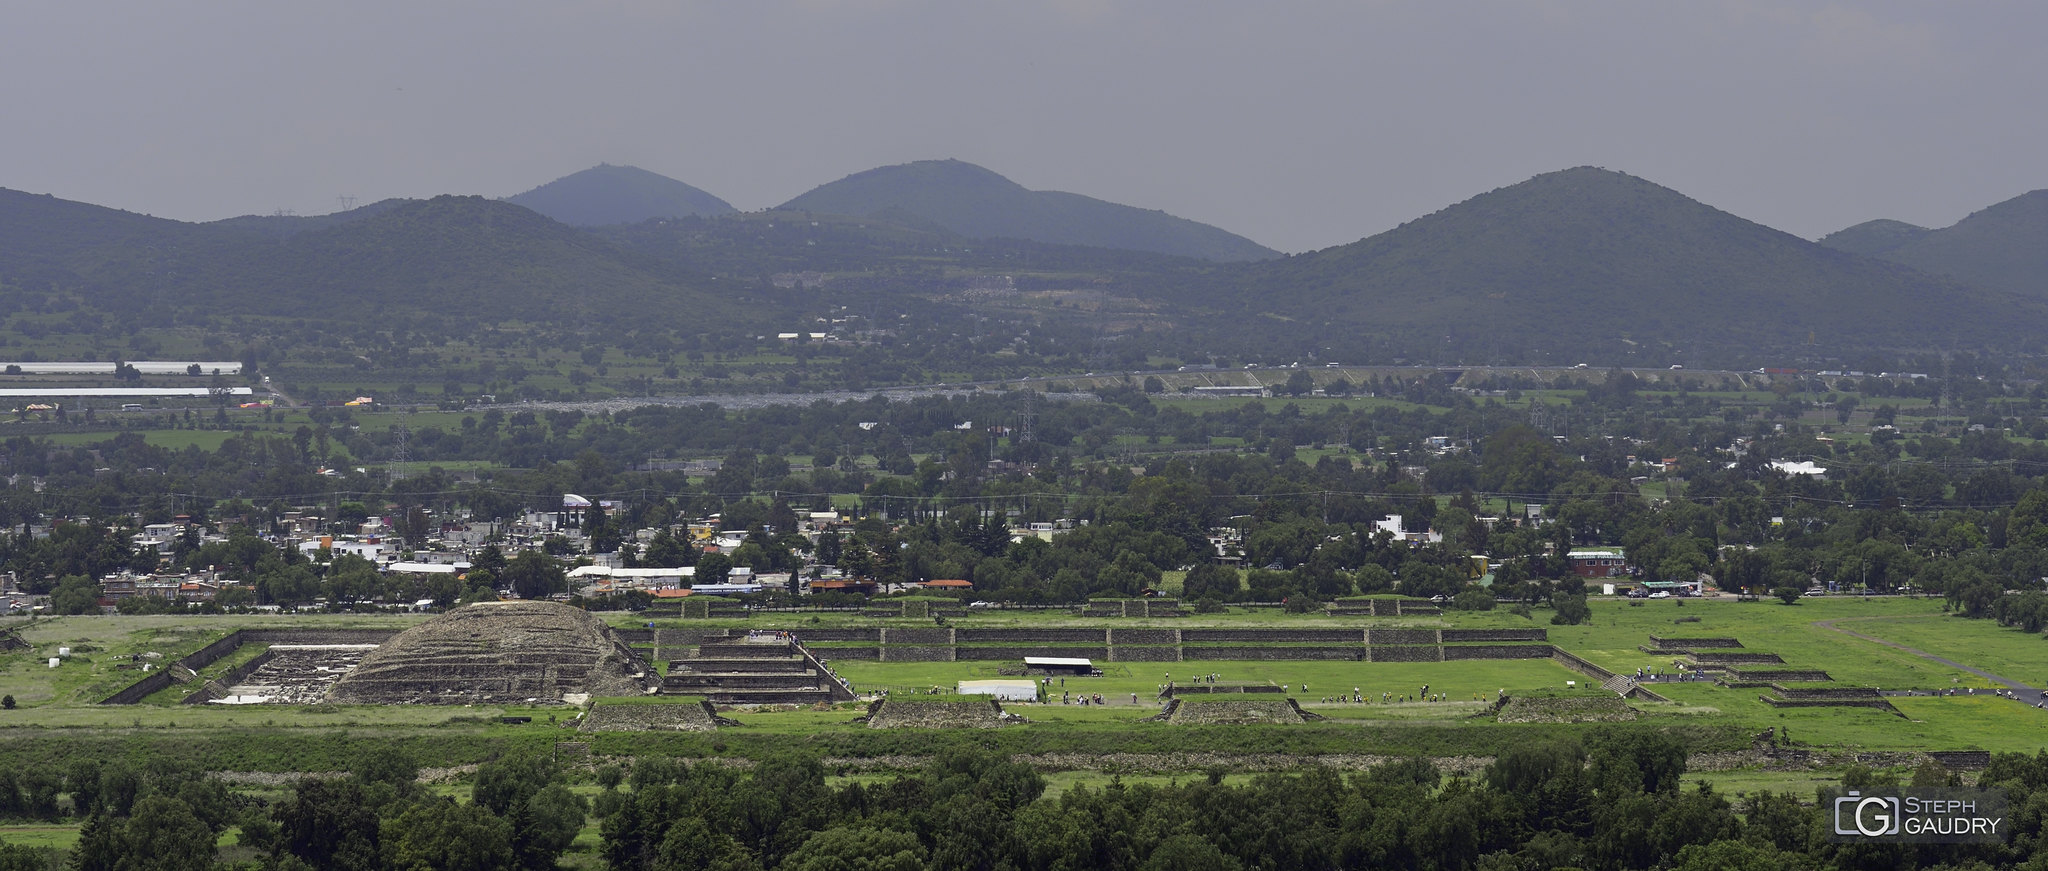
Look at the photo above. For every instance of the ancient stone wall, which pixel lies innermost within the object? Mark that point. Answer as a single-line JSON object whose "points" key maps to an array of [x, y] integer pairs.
{"points": [[218, 687], [1568, 710], [1026, 636], [1715, 658], [1778, 675], [906, 714], [1453, 636], [1355, 653], [906, 653], [1579, 664], [1693, 643], [1825, 692], [1496, 651], [1402, 636], [679, 717], [861, 653], [1235, 712], [894, 635], [1877, 704], [983, 654], [1962, 760], [739, 650], [1213, 689], [1151, 653], [870, 636], [1144, 636], [1275, 636], [1405, 653]]}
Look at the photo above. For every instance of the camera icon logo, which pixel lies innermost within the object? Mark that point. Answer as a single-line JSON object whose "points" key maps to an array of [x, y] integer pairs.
{"points": [[1872, 816]]}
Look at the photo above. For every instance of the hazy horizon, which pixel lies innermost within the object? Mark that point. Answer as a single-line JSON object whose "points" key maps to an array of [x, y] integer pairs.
{"points": [[1299, 126]]}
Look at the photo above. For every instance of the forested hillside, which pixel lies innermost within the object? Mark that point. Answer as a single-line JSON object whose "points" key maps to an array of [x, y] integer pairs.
{"points": [[2003, 247], [607, 194], [1586, 257], [980, 204]]}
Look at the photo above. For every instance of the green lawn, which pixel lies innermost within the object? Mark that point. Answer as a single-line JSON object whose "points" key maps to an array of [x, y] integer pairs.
{"points": [[1464, 681]]}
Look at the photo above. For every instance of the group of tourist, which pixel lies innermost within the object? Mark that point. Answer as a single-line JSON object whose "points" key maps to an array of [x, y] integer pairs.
{"points": [[1646, 674]]}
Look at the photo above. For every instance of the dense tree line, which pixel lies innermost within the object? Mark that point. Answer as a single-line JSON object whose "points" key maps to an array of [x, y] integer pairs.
{"points": [[1606, 800]]}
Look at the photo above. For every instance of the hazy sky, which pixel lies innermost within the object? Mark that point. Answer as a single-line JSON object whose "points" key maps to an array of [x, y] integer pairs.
{"points": [[1300, 125]]}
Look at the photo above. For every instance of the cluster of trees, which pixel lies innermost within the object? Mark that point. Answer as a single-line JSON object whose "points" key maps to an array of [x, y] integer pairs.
{"points": [[167, 817], [1608, 799]]}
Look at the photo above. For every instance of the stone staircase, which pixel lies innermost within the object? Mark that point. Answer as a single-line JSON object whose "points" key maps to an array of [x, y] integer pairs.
{"points": [[746, 672]]}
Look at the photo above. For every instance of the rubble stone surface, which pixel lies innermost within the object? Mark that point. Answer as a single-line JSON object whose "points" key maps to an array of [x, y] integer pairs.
{"points": [[496, 652]]}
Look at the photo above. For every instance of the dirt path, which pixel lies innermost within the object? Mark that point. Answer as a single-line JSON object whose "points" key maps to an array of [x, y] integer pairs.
{"points": [[2027, 693]]}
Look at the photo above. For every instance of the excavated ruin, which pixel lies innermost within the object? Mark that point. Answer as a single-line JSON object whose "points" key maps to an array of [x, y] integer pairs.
{"points": [[497, 652]]}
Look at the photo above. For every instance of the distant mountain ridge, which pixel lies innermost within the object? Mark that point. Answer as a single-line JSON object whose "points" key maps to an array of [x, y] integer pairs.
{"points": [[2001, 247], [980, 204], [1875, 238], [456, 259], [1588, 255], [604, 195]]}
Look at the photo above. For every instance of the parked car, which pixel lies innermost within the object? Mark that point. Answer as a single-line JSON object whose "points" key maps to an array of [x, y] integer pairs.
{"points": [[1661, 594]]}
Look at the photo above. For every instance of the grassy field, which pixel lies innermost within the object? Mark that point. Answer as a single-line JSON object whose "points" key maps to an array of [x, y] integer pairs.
{"points": [[62, 701], [1464, 681]]}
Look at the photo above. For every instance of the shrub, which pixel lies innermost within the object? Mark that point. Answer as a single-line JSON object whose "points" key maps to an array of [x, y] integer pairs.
{"points": [[1571, 610], [1474, 599]]}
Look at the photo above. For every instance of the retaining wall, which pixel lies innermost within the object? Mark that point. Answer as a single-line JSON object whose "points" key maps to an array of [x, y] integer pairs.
{"points": [[1405, 653], [1579, 664], [1452, 636], [984, 654], [149, 685], [1776, 675], [1144, 636], [1825, 692], [1144, 654], [699, 717], [905, 653], [1403, 636], [218, 687], [1704, 657], [1276, 636], [892, 636], [1878, 704], [862, 653], [871, 636], [1496, 651], [1349, 654], [1025, 636], [1693, 643]]}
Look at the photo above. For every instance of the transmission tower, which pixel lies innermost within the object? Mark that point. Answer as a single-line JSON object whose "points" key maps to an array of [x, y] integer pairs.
{"points": [[399, 454], [1024, 418], [346, 202]]}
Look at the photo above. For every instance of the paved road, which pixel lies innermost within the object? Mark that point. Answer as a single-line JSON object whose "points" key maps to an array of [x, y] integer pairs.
{"points": [[2027, 693]]}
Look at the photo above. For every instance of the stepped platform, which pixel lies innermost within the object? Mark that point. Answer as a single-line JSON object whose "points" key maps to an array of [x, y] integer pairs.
{"points": [[754, 672]]}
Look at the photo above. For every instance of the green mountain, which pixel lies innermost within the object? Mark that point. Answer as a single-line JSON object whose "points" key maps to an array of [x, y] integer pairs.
{"points": [[2004, 247], [979, 204], [1875, 238], [456, 260], [604, 194], [1586, 258]]}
